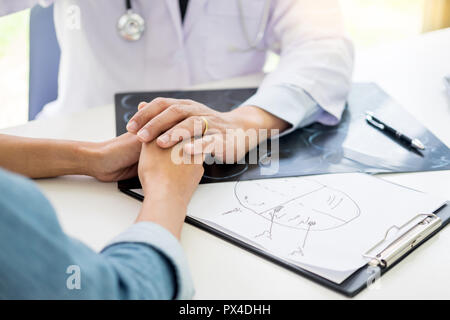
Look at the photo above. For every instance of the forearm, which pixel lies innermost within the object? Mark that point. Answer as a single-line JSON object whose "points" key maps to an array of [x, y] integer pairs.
{"points": [[39, 158]]}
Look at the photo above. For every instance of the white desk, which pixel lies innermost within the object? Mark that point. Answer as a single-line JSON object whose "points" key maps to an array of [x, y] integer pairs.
{"points": [[410, 71]]}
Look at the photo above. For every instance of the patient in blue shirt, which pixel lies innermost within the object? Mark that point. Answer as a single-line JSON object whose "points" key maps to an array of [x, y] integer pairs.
{"points": [[39, 261]]}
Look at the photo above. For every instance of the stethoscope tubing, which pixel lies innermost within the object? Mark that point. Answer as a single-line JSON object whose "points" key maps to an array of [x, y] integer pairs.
{"points": [[252, 44], [261, 28]]}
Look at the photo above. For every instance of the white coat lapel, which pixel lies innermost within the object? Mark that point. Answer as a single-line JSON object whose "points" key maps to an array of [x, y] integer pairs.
{"points": [[174, 11], [195, 10]]}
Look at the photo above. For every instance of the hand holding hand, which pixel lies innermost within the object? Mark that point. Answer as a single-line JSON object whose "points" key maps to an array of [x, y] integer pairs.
{"points": [[115, 159], [171, 120], [168, 186]]}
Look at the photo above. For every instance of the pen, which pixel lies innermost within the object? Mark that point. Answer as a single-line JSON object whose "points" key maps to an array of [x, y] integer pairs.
{"points": [[414, 143]]}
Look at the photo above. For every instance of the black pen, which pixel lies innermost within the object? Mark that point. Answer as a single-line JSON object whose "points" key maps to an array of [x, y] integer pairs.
{"points": [[414, 143]]}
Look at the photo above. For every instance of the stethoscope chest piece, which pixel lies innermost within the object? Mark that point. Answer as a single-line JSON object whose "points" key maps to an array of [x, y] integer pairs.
{"points": [[131, 26]]}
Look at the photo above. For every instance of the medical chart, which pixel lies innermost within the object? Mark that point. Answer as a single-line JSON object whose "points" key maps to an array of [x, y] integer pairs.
{"points": [[323, 223]]}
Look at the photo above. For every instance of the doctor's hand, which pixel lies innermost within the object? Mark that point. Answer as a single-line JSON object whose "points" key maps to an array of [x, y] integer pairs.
{"points": [[168, 185], [171, 120]]}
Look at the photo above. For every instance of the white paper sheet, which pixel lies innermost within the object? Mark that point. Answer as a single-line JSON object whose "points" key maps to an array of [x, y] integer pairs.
{"points": [[322, 223]]}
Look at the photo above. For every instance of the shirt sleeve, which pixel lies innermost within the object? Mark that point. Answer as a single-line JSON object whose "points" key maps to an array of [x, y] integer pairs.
{"points": [[316, 60], [289, 103], [39, 261], [158, 238]]}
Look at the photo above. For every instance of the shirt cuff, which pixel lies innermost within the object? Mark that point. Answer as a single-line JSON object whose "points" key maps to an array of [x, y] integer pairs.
{"points": [[289, 103], [162, 240]]}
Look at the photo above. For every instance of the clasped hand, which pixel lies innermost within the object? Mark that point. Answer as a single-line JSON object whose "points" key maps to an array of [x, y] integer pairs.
{"points": [[228, 136], [164, 123]]}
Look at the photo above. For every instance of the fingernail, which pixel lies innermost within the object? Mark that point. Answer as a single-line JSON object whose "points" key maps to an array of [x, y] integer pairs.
{"points": [[164, 139], [132, 126], [144, 135]]}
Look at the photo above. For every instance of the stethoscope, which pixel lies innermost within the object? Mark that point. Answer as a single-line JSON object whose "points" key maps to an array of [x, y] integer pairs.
{"points": [[131, 25], [253, 45]]}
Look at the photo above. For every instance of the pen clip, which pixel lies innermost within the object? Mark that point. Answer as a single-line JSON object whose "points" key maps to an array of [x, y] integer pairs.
{"points": [[373, 121]]}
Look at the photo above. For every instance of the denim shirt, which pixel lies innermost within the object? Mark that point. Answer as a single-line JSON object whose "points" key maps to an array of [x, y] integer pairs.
{"points": [[39, 261]]}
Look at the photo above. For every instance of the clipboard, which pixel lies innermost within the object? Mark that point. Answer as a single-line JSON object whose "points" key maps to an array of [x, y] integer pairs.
{"points": [[408, 238], [362, 97]]}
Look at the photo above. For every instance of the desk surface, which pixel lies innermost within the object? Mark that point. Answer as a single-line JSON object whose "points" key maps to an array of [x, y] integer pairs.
{"points": [[410, 71]]}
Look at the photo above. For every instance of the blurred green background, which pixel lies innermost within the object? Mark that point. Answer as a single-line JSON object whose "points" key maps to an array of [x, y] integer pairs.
{"points": [[13, 27], [14, 69], [368, 22]]}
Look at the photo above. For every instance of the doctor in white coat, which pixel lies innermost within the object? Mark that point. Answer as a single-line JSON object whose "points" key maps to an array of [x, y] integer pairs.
{"points": [[174, 44]]}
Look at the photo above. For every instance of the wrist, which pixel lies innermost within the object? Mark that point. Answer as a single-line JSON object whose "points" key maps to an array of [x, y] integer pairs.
{"points": [[252, 117], [164, 192], [89, 158], [247, 117], [164, 209]]}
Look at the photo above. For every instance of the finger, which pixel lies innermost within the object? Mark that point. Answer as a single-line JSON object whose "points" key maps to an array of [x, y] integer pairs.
{"points": [[141, 105], [167, 119], [148, 112], [189, 158], [204, 145], [217, 145], [188, 128], [124, 148]]}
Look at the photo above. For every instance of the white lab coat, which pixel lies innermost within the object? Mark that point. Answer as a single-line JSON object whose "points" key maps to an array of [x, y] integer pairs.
{"points": [[316, 57]]}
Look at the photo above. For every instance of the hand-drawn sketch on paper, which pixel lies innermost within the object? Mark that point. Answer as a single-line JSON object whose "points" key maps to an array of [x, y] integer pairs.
{"points": [[306, 207]]}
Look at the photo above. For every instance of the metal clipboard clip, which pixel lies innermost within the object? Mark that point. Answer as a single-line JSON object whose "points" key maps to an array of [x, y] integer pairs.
{"points": [[406, 237]]}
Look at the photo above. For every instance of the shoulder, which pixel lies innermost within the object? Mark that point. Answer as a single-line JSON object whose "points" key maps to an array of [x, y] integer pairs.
{"points": [[21, 195], [12, 184]]}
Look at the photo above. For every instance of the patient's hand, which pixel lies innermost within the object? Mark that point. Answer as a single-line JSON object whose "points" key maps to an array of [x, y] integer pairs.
{"points": [[159, 172], [168, 186], [115, 159], [112, 160]]}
